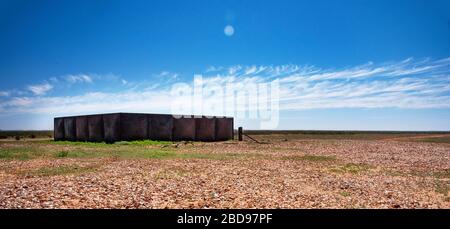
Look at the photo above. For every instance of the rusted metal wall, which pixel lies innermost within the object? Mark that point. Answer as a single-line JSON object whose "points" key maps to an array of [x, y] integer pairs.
{"points": [[205, 129], [160, 127], [129, 126], [184, 129], [224, 129], [95, 128], [111, 127], [58, 129], [133, 126], [81, 128], [69, 129]]}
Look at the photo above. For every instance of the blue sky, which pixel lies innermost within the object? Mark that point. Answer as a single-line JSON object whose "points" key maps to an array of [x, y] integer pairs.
{"points": [[364, 65]]}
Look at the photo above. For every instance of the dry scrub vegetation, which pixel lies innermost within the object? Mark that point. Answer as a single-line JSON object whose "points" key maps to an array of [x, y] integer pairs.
{"points": [[288, 171]]}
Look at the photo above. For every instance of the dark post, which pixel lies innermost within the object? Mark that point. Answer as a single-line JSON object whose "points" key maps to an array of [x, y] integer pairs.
{"points": [[240, 133]]}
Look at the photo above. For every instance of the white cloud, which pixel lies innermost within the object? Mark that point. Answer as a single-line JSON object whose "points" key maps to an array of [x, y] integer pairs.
{"points": [[80, 78], [64, 81], [4, 93], [40, 89], [54, 80], [234, 69], [405, 84], [168, 75], [21, 101], [213, 69]]}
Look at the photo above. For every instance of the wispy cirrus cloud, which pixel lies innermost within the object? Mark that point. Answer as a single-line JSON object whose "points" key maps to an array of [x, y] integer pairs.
{"points": [[58, 84], [168, 75], [40, 89], [80, 78], [405, 84], [410, 83]]}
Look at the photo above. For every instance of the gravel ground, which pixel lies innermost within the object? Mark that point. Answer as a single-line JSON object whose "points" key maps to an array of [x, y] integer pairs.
{"points": [[281, 174]]}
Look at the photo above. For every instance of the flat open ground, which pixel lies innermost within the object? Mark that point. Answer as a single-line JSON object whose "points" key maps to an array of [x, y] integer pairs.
{"points": [[290, 170]]}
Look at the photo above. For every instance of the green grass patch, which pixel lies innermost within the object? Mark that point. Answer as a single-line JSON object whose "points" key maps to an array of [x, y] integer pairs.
{"points": [[80, 150], [351, 168], [143, 142], [344, 194], [393, 172], [21, 153], [170, 174], [103, 144], [442, 174], [62, 154], [60, 170], [444, 139], [215, 156], [130, 150], [125, 153], [90, 144], [79, 153], [201, 156], [146, 154], [443, 188], [315, 158], [211, 156]]}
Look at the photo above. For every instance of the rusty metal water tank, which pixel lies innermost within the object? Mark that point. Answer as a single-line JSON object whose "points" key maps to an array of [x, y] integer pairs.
{"points": [[135, 126]]}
